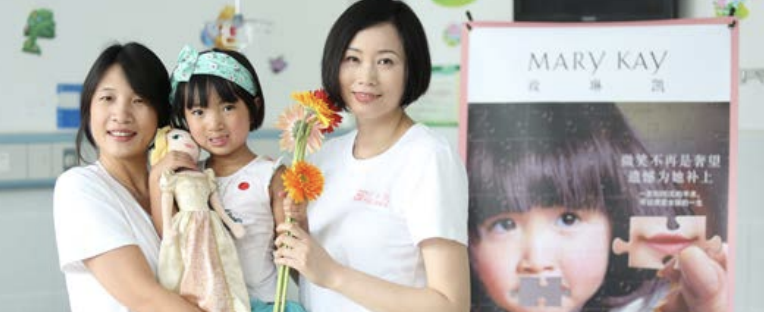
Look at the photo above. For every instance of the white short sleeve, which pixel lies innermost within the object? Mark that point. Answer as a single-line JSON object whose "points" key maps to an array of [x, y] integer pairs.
{"points": [[438, 194], [88, 218]]}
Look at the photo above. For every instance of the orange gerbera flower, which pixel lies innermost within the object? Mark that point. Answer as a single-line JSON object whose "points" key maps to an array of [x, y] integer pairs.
{"points": [[318, 102], [303, 181]]}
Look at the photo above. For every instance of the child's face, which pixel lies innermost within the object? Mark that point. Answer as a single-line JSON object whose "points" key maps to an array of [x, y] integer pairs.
{"points": [[220, 128], [543, 242], [179, 140]]}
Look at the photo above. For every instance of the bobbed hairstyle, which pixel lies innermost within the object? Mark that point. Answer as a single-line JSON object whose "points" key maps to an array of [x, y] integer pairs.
{"points": [[199, 86], [144, 72], [367, 13]]}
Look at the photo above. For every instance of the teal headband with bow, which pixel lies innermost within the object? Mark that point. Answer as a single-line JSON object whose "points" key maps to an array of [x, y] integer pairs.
{"points": [[190, 63]]}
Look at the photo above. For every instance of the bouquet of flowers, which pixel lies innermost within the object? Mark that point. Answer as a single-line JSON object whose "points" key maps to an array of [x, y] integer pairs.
{"points": [[304, 125]]}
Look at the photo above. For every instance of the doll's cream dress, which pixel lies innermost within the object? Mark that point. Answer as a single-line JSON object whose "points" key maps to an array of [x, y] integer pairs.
{"points": [[200, 261]]}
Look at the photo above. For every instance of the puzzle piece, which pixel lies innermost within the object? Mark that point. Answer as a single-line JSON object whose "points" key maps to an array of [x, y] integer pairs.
{"points": [[653, 239], [539, 291]]}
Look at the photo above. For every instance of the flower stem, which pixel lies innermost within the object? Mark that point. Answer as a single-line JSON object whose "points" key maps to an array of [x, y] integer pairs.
{"points": [[280, 299], [282, 282], [301, 141]]}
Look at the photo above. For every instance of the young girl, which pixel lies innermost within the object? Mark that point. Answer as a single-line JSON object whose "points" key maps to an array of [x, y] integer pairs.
{"points": [[548, 194], [217, 96]]}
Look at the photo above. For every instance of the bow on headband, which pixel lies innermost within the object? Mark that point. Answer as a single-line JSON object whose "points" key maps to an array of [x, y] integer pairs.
{"points": [[190, 63]]}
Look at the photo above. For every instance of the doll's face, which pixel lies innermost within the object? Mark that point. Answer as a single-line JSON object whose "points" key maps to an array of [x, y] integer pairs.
{"points": [[179, 140], [550, 242]]}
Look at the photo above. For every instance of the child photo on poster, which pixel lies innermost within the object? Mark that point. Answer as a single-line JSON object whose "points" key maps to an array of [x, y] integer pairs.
{"points": [[586, 206]]}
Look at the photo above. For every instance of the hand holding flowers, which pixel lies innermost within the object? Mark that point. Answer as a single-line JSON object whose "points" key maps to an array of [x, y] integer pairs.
{"points": [[304, 125]]}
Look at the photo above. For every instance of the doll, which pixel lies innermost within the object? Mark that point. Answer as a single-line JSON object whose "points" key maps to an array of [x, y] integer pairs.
{"points": [[197, 258]]}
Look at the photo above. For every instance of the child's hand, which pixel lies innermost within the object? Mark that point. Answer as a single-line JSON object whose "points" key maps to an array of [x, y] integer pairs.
{"points": [[702, 280], [173, 161], [297, 212], [238, 230]]}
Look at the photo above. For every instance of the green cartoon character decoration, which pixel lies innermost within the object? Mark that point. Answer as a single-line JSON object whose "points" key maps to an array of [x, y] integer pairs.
{"points": [[453, 3], [734, 8], [40, 24]]}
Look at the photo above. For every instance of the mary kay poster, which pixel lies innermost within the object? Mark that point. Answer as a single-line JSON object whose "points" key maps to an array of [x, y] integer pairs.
{"points": [[601, 161]]}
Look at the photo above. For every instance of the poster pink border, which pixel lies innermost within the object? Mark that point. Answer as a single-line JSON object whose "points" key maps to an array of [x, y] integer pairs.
{"points": [[734, 42]]}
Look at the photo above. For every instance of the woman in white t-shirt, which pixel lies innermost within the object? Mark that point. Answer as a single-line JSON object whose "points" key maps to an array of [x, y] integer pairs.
{"points": [[107, 245], [389, 232]]}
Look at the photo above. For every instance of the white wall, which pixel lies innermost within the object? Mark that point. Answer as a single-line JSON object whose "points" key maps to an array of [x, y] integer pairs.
{"points": [[85, 27], [29, 277]]}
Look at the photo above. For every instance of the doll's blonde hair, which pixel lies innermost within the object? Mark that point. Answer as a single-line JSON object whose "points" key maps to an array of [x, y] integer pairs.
{"points": [[160, 145]]}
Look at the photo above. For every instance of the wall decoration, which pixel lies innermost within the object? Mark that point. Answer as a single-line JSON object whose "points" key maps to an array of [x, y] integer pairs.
{"points": [[40, 24], [734, 8], [452, 35], [453, 3], [231, 31], [228, 31], [277, 64]]}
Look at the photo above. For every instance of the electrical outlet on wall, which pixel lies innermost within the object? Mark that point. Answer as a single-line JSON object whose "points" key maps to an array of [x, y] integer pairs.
{"points": [[13, 162], [63, 157], [69, 158], [39, 163]]}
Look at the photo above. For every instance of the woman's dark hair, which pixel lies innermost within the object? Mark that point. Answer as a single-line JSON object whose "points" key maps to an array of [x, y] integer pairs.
{"points": [[229, 92], [522, 156], [144, 72], [364, 14]]}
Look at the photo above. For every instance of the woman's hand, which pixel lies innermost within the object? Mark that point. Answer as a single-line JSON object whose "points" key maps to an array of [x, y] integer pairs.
{"points": [[298, 250], [702, 279]]}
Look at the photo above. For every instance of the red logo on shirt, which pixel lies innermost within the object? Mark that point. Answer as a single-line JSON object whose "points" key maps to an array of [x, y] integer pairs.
{"points": [[372, 198], [243, 186]]}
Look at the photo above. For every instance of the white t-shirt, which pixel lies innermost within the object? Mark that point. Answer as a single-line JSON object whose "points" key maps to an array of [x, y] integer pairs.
{"points": [[374, 212], [93, 214], [247, 201]]}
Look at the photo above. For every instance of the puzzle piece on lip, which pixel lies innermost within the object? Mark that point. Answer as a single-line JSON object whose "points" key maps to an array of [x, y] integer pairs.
{"points": [[649, 248], [537, 291]]}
